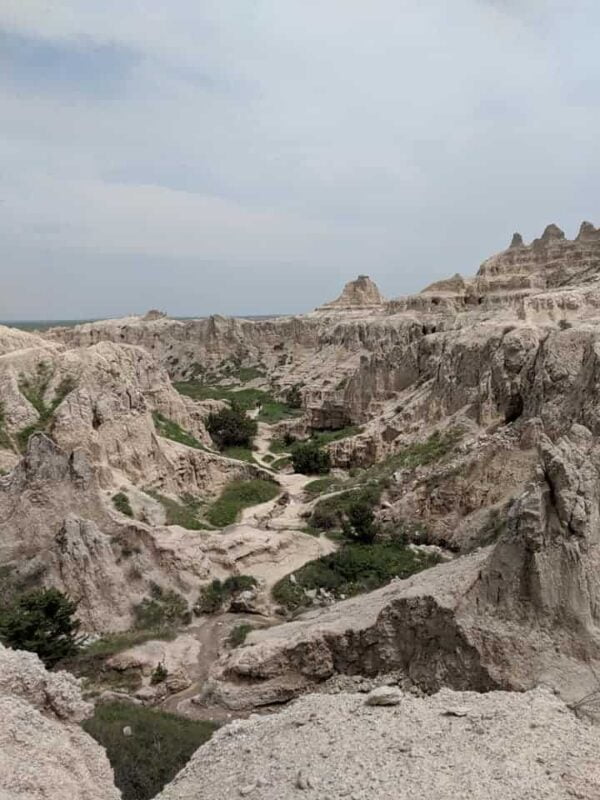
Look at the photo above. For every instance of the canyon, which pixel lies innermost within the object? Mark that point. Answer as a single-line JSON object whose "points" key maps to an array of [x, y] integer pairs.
{"points": [[467, 414]]}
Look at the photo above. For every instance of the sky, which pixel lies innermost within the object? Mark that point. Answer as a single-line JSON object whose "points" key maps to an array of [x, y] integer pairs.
{"points": [[251, 156]]}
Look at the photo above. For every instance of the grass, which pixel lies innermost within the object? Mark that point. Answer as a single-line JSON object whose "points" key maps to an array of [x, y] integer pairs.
{"points": [[326, 437], [122, 504], [279, 446], [238, 635], [164, 609], [352, 570], [268, 458], [238, 495], [159, 746], [271, 410], [239, 453], [419, 454], [185, 513], [281, 463], [34, 389], [320, 486], [328, 514], [171, 430], [5, 442]]}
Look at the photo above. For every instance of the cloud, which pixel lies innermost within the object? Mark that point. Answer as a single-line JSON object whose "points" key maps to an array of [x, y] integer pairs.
{"points": [[398, 138]]}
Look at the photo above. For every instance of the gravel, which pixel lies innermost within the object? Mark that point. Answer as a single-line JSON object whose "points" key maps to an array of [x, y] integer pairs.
{"points": [[453, 745]]}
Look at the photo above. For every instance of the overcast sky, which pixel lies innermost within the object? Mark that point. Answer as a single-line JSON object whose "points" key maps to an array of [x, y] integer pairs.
{"points": [[250, 156]]}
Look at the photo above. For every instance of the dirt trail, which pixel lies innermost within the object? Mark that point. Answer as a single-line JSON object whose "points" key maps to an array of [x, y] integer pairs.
{"points": [[284, 513]]}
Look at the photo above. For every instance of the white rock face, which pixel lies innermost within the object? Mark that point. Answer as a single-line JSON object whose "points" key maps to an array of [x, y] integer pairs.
{"points": [[496, 746], [44, 754]]}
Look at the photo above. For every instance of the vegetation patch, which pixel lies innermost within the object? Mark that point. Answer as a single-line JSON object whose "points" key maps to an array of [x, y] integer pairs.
{"points": [[310, 458], [185, 513], [34, 389], [352, 570], [90, 662], [270, 409], [238, 635], [5, 442], [217, 594], [326, 437], [231, 427], [238, 495], [239, 453], [171, 430], [122, 504], [43, 622], [321, 486], [163, 609], [419, 454], [331, 512], [159, 746], [281, 463]]}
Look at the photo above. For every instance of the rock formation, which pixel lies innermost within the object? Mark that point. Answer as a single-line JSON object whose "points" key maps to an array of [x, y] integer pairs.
{"points": [[485, 747], [478, 398], [44, 754], [361, 293]]}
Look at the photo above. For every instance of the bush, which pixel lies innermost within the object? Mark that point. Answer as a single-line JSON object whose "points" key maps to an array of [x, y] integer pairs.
{"points": [[159, 746], [238, 635], [294, 397], [122, 504], [238, 495], [360, 522], [331, 512], [353, 569], [159, 674], [163, 609], [216, 594], [42, 622], [172, 430], [310, 459], [231, 427]]}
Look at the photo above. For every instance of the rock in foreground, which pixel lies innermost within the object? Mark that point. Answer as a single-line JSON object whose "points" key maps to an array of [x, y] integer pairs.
{"points": [[44, 754], [452, 745]]}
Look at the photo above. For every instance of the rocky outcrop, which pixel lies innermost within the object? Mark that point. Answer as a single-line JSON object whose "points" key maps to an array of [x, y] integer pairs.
{"points": [[44, 753], [485, 747], [359, 294]]}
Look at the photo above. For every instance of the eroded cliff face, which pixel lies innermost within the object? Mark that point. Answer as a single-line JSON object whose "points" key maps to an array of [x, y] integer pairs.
{"points": [[503, 365]]}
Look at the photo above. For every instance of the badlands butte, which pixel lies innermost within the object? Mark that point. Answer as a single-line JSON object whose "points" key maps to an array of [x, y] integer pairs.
{"points": [[449, 647]]}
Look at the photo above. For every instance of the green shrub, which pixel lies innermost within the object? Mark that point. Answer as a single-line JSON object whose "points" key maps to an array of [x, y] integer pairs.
{"points": [[231, 427], [34, 389], [122, 504], [320, 486], [294, 397], [159, 674], [360, 523], [171, 430], [309, 458], [239, 453], [217, 593], [238, 635], [159, 746], [325, 437], [353, 569], [331, 512], [238, 495], [163, 609], [43, 622], [184, 513], [5, 442]]}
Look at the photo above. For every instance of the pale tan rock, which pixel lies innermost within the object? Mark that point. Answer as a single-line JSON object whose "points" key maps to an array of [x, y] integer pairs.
{"points": [[44, 753]]}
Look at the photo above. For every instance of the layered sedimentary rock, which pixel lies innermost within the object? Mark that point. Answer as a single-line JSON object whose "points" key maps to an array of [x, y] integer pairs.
{"points": [[359, 294]]}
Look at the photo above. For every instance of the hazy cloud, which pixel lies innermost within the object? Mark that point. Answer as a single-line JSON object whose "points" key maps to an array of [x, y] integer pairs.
{"points": [[154, 152]]}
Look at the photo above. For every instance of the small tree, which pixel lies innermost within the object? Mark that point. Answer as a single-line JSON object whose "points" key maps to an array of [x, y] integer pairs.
{"points": [[311, 459], [294, 397], [41, 621], [231, 427], [360, 522]]}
